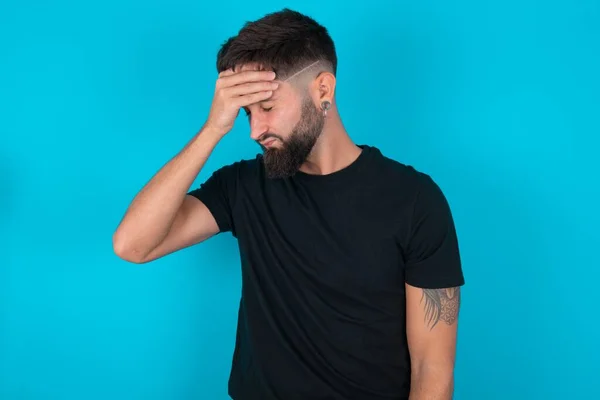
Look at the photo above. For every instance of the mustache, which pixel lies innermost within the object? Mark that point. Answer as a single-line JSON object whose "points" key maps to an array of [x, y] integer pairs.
{"points": [[268, 136]]}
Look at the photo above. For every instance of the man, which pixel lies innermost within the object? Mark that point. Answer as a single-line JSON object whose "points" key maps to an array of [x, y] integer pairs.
{"points": [[350, 262]]}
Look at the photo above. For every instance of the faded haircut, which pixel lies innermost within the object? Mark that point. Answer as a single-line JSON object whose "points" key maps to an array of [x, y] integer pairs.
{"points": [[285, 42]]}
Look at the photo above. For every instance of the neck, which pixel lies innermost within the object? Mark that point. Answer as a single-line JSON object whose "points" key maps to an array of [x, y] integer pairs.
{"points": [[333, 151]]}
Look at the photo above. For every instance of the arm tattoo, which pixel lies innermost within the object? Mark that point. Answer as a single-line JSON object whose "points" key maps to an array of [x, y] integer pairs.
{"points": [[441, 304]]}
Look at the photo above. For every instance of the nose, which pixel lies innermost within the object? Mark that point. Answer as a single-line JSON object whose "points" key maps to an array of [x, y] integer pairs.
{"points": [[258, 127]]}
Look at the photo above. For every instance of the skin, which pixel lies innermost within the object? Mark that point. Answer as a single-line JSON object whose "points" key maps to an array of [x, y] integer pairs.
{"points": [[162, 218]]}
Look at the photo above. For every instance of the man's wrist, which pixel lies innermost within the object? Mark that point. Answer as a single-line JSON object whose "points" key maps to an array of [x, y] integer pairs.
{"points": [[211, 132]]}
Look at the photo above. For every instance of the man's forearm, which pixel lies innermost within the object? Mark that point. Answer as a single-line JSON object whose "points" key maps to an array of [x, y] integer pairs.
{"points": [[152, 211], [429, 383]]}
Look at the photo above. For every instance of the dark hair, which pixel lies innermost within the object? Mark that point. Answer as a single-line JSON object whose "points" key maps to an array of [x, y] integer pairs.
{"points": [[283, 41]]}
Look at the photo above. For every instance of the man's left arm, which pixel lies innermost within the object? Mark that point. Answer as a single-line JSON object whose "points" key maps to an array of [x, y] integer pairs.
{"points": [[432, 319], [433, 277]]}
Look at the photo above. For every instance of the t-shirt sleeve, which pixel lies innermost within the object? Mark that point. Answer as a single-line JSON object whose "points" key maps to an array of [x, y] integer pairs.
{"points": [[432, 257], [218, 194]]}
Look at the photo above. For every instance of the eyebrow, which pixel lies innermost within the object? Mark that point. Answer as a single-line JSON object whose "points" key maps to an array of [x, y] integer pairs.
{"points": [[274, 97]]}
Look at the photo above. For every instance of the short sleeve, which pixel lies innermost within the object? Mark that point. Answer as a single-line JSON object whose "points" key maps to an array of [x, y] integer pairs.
{"points": [[218, 193], [432, 257]]}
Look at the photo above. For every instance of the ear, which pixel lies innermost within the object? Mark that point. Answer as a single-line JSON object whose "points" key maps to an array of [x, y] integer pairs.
{"points": [[323, 88]]}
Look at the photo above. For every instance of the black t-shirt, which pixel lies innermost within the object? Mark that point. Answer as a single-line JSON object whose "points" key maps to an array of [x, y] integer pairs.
{"points": [[324, 262]]}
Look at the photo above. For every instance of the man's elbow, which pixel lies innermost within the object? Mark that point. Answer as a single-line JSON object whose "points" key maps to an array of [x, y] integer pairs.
{"points": [[442, 369], [433, 378], [125, 251]]}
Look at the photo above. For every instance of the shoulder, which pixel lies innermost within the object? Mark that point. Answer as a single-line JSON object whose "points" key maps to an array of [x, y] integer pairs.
{"points": [[402, 178], [241, 170]]}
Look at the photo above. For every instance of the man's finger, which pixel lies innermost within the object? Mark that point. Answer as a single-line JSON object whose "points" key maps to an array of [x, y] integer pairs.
{"points": [[252, 98], [227, 72], [247, 76], [250, 87]]}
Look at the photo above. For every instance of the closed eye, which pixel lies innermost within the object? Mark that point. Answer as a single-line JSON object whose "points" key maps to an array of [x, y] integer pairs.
{"points": [[265, 109]]}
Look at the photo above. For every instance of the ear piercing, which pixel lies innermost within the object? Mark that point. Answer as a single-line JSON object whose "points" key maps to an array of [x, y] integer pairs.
{"points": [[325, 106]]}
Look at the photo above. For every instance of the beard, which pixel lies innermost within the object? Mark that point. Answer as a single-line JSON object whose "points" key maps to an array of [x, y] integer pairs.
{"points": [[285, 161]]}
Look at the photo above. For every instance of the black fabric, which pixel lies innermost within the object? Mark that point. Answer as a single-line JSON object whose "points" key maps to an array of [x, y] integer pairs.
{"points": [[324, 262]]}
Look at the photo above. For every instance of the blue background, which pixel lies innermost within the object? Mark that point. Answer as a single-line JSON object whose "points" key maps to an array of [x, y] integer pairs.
{"points": [[498, 101]]}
